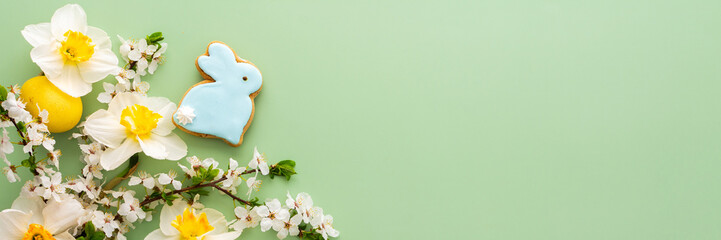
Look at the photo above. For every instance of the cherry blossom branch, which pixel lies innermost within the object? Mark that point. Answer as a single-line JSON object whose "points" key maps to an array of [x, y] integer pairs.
{"points": [[213, 184]]}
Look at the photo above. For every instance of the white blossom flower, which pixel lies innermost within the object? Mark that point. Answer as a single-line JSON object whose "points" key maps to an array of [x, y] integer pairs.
{"points": [[246, 218], [110, 91], [6, 146], [72, 54], [143, 177], [124, 76], [105, 222], [135, 123], [258, 162], [233, 176], [16, 109], [273, 215], [169, 178], [194, 165], [31, 216], [302, 203], [51, 187], [290, 227], [325, 226], [157, 58], [54, 156], [130, 208], [15, 88], [140, 86], [11, 175], [253, 184], [185, 115], [181, 221]]}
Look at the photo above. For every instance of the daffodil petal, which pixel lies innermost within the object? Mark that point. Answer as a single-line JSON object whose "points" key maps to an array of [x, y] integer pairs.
{"points": [[70, 81], [30, 205], [217, 220], [13, 223], [123, 100], [99, 38], [165, 108], [152, 147], [48, 59], [37, 34], [223, 236], [60, 216], [64, 236], [174, 146], [102, 63], [68, 17], [114, 157], [158, 235], [105, 128], [168, 214]]}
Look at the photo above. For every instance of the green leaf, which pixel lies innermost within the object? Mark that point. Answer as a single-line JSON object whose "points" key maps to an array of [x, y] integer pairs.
{"points": [[3, 93], [285, 168], [154, 38], [213, 173], [89, 228]]}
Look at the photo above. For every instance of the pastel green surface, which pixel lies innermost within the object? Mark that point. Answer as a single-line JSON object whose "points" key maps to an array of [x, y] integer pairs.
{"points": [[452, 119]]}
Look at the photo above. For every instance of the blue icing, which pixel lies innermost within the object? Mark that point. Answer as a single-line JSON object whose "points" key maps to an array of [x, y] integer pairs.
{"points": [[222, 108]]}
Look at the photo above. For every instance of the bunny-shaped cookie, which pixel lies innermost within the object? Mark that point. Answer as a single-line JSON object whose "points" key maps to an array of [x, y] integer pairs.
{"points": [[221, 106]]}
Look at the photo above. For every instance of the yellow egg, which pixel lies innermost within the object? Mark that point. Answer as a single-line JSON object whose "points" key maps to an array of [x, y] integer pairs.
{"points": [[64, 111]]}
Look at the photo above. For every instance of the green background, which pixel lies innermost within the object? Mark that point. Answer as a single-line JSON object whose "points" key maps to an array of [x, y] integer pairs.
{"points": [[451, 119]]}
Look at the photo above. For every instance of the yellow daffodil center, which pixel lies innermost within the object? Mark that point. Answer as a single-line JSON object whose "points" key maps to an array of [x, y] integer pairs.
{"points": [[191, 226], [139, 120], [77, 47], [37, 232]]}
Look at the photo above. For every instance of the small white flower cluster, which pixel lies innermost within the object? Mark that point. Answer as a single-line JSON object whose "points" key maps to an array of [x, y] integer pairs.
{"points": [[286, 221], [33, 132], [142, 59]]}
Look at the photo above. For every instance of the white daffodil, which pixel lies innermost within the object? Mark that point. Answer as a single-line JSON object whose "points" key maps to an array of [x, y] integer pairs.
{"points": [[273, 214], [32, 218], [181, 221], [72, 54], [135, 123], [246, 218], [258, 162]]}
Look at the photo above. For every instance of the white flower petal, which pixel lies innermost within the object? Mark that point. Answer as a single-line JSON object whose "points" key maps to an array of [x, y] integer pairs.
{"points": [[60, 216], [114, 157], [123, 100], [68, 17], [152, 148], [37, 34], [64, 236], [223, 236], [100, 65], [33, 204], [217, 220], [165, 108], [158, 235], [70, 81], [13, 223], [168, 214], [99, 38], [174, 146], [105, 128], [48, 59]]}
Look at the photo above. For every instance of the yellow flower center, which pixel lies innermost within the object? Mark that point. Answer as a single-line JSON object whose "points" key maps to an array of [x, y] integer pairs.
{"points": [[191, 226], [77, 47], [139, 120], [37, 232]]}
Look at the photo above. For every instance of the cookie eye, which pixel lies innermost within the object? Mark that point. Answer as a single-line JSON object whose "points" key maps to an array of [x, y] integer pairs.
{"points": [[245, 78]]}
